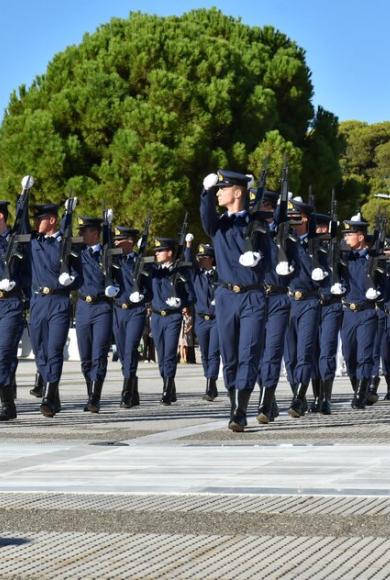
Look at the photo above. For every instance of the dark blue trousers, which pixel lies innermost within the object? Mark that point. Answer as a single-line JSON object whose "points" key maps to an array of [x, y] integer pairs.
{"points": [[378, 344], [385, 346], [300, 339], [358, 335], [278, 312], [207, 333], [240, 321], [128, 326], [93, 330], [325, 348], [11, 328], [49, 326], [166, 332]]}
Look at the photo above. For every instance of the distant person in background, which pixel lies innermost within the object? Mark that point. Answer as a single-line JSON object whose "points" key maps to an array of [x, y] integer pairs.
{"points": [[186, 336]]}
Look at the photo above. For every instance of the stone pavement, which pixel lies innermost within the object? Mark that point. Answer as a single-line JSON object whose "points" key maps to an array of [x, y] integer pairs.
{"points": [[170, 492]]}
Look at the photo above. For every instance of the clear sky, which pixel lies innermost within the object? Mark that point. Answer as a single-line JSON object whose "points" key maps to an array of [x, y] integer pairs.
{"points": [[347, 42]]}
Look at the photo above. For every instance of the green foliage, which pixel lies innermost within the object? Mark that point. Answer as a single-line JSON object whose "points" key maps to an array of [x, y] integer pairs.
{"points": [[143, 108]]}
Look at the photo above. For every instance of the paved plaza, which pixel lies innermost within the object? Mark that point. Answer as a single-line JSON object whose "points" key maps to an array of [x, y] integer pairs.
{"points": [[170, 492]]}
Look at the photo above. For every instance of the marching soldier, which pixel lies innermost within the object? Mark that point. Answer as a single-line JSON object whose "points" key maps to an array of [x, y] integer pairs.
{"points": [[50, 304], [93, 313], [305, 307], [129, 313], [11, 316], [360, 319], [170, 294], [204, 280], [239, 298]]}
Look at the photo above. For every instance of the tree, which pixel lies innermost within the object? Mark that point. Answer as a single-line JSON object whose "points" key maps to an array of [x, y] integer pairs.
{"points": [[146, 106]]}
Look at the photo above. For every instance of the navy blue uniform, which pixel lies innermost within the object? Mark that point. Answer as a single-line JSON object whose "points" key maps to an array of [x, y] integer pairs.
{"points": [[49, 307], [129, 318], [93, 316]]}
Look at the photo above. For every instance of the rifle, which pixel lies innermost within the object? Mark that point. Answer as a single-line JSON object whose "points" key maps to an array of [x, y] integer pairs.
{"points": [[139, 264], [178, 258], [67, 236], [334, 242], [257, 223], [313, 238], [376, 253], [108, 250], [283, 232], [20, 232]]}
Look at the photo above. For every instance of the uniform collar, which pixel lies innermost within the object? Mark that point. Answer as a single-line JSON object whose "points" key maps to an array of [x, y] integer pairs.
{"points": [[95, 248]]}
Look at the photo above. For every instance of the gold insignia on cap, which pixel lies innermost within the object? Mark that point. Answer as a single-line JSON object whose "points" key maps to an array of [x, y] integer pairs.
{"points": [[201, 249], [252, 196], [290, 206], [220, 176], [347, 226], [81, 221], [157, 243], [117, 232]]}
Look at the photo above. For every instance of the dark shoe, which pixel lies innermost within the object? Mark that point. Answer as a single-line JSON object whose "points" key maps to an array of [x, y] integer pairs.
{"points": [[50, 399], [240, 399], [211, 390], [354, 382], [266, 410], [359, 400], [174, 397], [325, 397], [14, 387], [315, 404], [166, 398], [88, 382], [8, 409], [130, 396], [372, 394], [298, 405], [37, 391], [94, 400]]}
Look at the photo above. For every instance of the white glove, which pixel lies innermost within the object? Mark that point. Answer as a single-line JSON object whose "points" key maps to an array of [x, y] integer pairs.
{"points": [[338, 289], [250, 259], [7, 285], [210, 181], [173, 301], [284, 269], [372, 294], [318, 274], [212, 302], [136, 297], [111, 291], [189, 237], [65, 279]]}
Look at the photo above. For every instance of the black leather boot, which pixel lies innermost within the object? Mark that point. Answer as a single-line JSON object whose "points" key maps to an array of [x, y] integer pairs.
{"points": [[211, 390], [130, 396], [174, 396], [94, 400], [261, 397], [266, 410], [372, 394], [37, 391], [299, 404], [354, 382], [238, 420], [166, 398], [315, 405], [50, 399], [88, 382], [14, 386], [387, 396], [8, 409], [360, 397], [325, 397]]}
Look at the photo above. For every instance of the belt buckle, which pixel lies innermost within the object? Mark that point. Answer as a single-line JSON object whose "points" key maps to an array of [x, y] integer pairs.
{"points": [[88, 299], [236, 288], [206, 317], [298, 295], [163, 313], [46, 290], [353, 306], [2, 294], [267, 288], [124, 306]]}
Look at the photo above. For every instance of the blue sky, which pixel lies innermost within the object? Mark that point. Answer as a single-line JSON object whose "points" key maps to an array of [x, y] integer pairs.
{"points": [[347, 42]]}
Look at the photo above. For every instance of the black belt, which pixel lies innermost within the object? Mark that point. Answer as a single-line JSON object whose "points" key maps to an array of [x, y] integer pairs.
{"points": [[165, 312], [238, 289], [302, 295], [14, 293], [93, 299], [359, 306], [270, 289], [128, 305], [46, 291], [326, 300], [205, 316]]}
